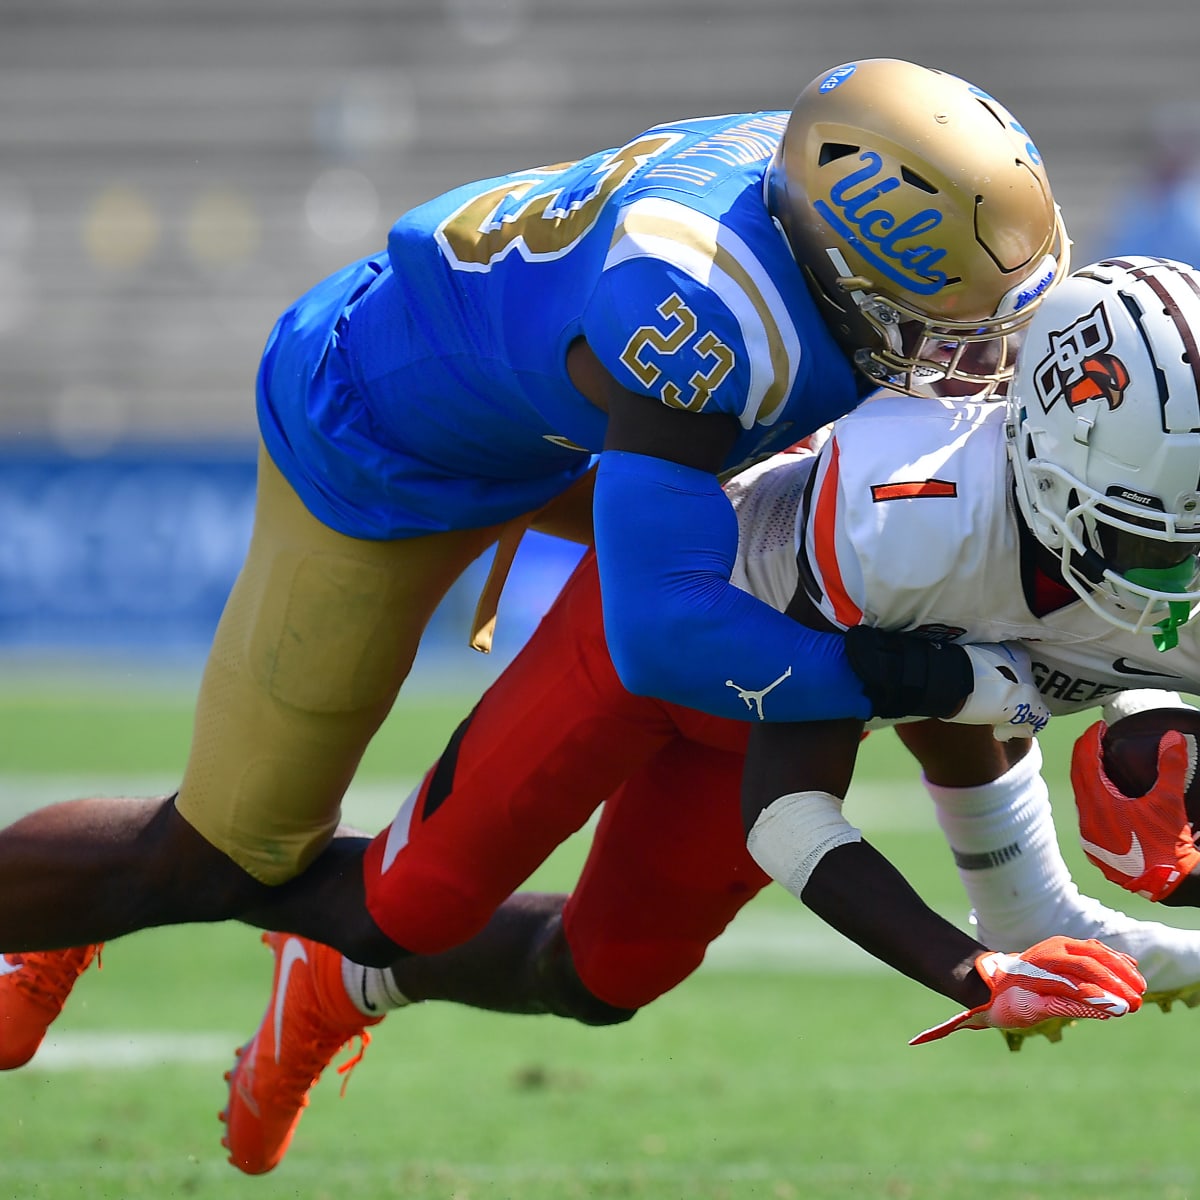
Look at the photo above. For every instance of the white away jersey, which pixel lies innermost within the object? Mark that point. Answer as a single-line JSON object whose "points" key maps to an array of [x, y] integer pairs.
{"points": [[905, 520]]}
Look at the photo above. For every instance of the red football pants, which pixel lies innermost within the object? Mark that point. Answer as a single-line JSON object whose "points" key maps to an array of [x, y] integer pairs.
{"points": [[551, 740]]}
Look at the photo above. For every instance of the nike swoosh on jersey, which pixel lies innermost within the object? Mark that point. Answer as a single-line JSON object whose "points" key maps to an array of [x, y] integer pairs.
{"points": [[293, 952], [1131, 863], [1124, 667], [9, 968]]}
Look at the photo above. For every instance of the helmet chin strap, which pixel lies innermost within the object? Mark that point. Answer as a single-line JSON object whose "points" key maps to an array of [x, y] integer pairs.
{"points": [[1167, 579], [1167, 638]]}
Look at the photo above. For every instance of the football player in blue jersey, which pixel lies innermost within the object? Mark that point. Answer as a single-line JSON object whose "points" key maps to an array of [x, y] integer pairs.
{"points": [[710, 291]]}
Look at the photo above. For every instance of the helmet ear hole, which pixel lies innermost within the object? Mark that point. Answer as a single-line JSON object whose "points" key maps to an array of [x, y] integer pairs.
{"points": [[911, 177], [832, 151]]}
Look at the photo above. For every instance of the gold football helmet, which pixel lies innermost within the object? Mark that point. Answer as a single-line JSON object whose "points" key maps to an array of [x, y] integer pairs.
{"points": [[920, 212]]}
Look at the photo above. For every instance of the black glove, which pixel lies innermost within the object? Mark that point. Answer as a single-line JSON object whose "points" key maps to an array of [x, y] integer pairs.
{"points": [[908, 676]]}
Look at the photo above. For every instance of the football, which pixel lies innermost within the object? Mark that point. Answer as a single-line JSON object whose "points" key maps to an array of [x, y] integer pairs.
{"points": [[1129, 751]]}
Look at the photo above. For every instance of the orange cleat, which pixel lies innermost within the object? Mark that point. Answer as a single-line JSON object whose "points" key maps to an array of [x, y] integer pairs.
{"points": [[308, 1020], [33, 989]]}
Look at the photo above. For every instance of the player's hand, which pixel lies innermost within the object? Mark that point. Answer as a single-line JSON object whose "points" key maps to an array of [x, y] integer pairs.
{"points": [[1058, 979], [1144, 844], [905, 675], [1004, 695]]}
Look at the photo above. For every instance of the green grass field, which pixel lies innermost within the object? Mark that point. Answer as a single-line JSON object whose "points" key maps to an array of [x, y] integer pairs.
{"points": [[779, 1071]]}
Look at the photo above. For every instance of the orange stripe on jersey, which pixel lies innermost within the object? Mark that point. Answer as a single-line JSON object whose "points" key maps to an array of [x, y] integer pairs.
{"points": [[908, 491], [825, 547]]}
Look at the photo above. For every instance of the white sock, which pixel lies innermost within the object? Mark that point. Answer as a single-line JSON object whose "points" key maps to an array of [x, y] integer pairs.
{"points": [[1005, 848], [1008, 858], [372, 990]]}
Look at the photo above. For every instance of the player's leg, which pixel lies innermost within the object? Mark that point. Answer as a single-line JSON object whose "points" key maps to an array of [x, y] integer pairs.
{"points": [[317, 635], [669, 870], [519, 776], [547, 743], [666, 873], [315, 640], [549, 740]]}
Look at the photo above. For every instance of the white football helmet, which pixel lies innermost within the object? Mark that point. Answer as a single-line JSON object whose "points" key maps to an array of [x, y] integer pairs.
{"points": [[1104, 438], [921, 215]]}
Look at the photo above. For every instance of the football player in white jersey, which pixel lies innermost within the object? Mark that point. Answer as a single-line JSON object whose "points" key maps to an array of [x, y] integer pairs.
{"points": [[903, 483], [907, 520], [1067, 524]]}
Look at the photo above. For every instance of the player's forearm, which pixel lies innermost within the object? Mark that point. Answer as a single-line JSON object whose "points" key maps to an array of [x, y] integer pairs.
{"points": [[802, 840], [678, 629], [858, 892]]}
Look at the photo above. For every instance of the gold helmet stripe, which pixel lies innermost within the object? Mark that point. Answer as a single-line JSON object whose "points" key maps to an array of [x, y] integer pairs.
{"points": [[697, 245]]}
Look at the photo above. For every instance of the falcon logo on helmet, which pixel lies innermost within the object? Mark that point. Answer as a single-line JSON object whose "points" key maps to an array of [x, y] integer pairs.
{"points": [[1079, 367], [1104, 378]]}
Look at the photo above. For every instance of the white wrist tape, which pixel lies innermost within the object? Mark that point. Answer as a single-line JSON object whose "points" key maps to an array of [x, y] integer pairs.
{"points": [[792, 834]]}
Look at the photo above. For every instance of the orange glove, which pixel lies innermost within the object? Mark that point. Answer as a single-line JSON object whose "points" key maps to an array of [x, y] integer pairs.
{"points": [[1059, 978], [1143, 844]]}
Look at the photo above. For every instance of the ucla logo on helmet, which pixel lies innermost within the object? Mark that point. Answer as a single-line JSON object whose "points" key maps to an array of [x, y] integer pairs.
{"points": [[893, 247], [836, 77]]}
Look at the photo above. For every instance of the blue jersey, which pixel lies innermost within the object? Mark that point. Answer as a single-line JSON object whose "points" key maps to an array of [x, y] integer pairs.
{"points": [[426, 388]]}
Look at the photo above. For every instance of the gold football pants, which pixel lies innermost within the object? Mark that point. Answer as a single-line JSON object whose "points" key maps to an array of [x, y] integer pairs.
{"points": [[319, 632]]}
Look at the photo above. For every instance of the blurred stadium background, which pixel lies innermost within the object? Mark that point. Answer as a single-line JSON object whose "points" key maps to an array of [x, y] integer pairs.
{"points": [[171, 175]]}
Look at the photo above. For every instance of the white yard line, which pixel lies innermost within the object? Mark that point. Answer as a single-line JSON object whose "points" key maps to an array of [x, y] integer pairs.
{"points": [[130, 1051]]}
